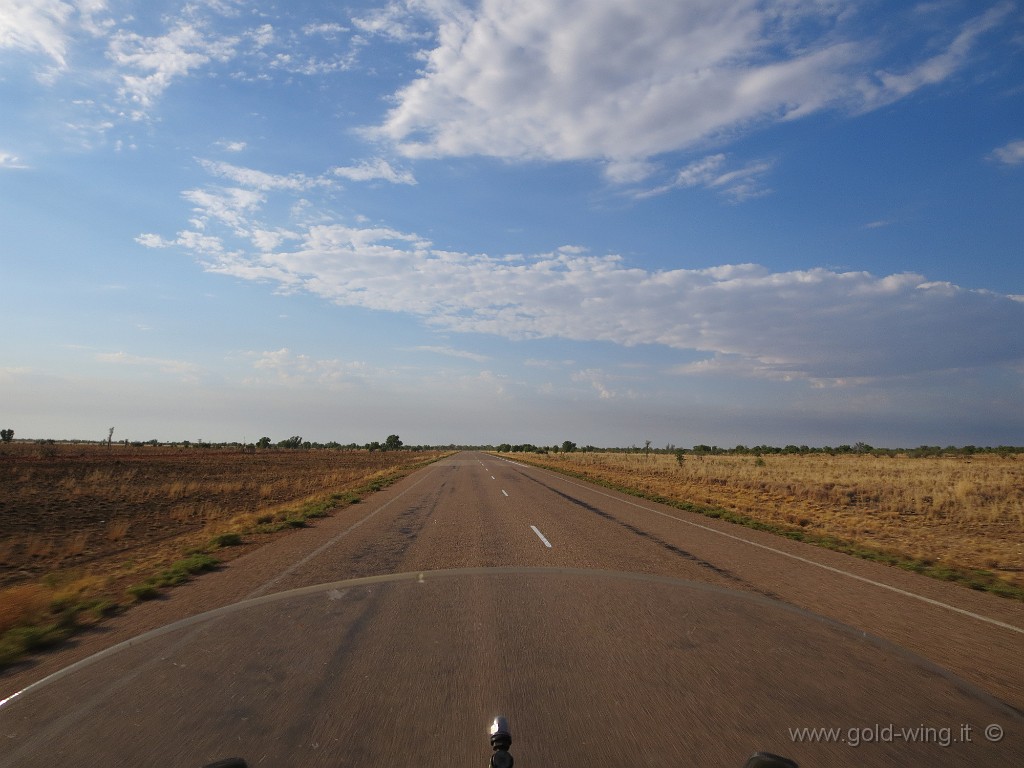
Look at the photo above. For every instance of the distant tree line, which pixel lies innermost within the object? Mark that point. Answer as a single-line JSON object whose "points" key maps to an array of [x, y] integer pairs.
{"points": [[860, 448], [394, 443]]}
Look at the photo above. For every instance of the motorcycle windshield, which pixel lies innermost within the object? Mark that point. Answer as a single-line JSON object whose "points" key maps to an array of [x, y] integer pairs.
{"points": [[590, 668]]}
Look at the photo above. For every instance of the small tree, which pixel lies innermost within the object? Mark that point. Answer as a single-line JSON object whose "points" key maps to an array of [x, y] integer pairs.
{"points": [[263, 442], [680, 453], [568, 446], [393, 443], [6, 435]]}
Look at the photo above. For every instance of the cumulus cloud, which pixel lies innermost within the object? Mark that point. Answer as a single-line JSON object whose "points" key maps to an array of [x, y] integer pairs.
{"points": [[1010, 154], [625, 82]]}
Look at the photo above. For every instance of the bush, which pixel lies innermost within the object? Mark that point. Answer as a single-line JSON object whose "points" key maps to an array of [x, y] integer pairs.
{"points": [[226, 540]]}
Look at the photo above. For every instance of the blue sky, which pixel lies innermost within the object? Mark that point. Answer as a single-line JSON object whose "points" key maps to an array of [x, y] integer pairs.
{"points": [[687, 221]]}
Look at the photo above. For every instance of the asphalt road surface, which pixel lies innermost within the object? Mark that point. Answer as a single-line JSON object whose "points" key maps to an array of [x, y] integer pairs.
{"points": [[610, 630]]}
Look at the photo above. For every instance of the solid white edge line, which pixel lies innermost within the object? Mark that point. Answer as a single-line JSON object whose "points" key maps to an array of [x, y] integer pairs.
{"points": [[541, 535], [839, 571]]}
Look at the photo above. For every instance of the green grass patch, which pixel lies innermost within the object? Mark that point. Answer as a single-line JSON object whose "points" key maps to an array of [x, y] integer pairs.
{"points": [[231, 539], [179, 572], [144, 591], [56, 627], [18, 641]]}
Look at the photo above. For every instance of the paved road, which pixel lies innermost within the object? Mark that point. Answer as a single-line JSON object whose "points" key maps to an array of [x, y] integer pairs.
{"points": [[590, 667]]}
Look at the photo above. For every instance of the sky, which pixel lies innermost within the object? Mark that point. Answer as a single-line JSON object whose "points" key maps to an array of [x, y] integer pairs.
{"points": [[684, 221]]}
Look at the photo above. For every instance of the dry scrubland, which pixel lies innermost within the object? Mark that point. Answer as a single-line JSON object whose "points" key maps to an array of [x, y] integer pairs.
{"points": [[935, 514], [87, 528]]}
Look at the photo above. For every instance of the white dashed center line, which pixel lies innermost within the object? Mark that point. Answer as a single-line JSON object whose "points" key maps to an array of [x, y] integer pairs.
{"points": [[541, 536]]}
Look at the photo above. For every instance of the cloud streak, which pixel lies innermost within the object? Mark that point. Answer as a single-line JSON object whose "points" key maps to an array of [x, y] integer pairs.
{"points": [[737, 184], [375, 170], [37, 26], [622, 83], [813, 323]]}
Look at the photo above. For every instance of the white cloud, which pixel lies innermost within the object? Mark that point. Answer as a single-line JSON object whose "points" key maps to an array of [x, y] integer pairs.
{"points": [[328, 29], [88, 10], [1010, 154], [878, 224], [268, 240], [150, 64], [261, 180], [7, 160], [231, 146], [370, 170], [262, 36], [394, 21], [150, 240], [814, 323], [624, 82], [738, 184], [817, 324], [229, 205], [300, 64], [597, 380], [36, 26], [938, 67]]}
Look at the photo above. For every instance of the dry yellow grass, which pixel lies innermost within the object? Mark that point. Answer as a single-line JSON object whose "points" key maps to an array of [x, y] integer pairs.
{"points": [[23, 603], [82, 522], [72, 506], [967, 512]]}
